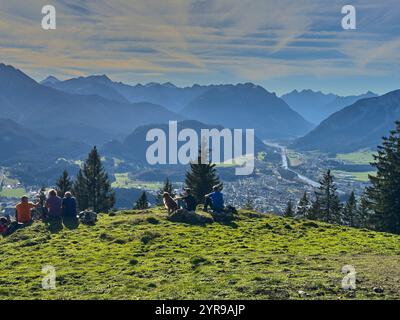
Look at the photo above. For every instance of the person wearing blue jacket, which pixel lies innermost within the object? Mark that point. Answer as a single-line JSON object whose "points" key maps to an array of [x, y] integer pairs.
{"points": [[214, 200], [69, 205]]}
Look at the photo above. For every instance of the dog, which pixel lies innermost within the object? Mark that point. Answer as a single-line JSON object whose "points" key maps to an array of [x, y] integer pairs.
{"points": [[169, 203]]}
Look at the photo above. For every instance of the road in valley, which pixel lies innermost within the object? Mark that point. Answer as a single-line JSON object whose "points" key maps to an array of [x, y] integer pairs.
{"points": [[285, 164]]}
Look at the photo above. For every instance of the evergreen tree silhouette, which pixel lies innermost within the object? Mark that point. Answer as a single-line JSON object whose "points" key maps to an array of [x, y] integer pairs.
{"points": [[326, 195], [142, 203], [202, 176], [289, 211], [303, 207], [63, 184], [350, 212], [92, 187], [384, 194]]}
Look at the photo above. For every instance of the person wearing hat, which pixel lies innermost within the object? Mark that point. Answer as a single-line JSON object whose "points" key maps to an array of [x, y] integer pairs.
{"points": [[214, 200]]}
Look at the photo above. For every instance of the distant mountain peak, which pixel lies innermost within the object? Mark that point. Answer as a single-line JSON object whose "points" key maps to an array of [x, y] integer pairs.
{"points": [[357, 126], [9, 69], [152, 84], [99, 78], [169, 85], [50, 79], [11, 76]]}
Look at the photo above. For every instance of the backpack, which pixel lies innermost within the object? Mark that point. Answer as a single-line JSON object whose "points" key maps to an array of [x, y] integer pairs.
{"points": [[88, 217]]}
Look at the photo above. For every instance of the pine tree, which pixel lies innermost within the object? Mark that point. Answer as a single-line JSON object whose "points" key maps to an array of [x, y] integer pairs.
{"points": [[202, 177], [330, 206], [314, 212], [42, 202], [63, 184], [249, 204], [42, 196], [81, 191], [289, 211], [350, 212], [142, 203], [303, 207], [364, 214], [384, 194], [92, 187], [168, 187]]}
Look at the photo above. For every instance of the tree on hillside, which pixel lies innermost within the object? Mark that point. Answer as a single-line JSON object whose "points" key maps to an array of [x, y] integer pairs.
{"points": [[167, 187], [364, 213], [92, 187], [63, 184], [142, 203], [42, 196], [326, 195], [384, 194], [249, 204], [42, 202], [350, 213], [289, 211], [303, 207], [314, 212], [202, 176]]}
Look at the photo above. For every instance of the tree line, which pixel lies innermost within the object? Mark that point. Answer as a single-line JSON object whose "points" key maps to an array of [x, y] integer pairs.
{"points": [[378, 208]]}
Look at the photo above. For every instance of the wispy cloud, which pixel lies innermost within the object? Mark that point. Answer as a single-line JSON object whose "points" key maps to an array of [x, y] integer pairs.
{"points": [[188, 41]]}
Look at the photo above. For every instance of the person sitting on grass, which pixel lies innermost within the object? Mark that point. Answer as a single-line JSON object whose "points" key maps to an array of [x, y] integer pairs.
{"points": [[4, 226], [214, 200], [23, 211], [69, 205], [190, 203], [53, 204]]}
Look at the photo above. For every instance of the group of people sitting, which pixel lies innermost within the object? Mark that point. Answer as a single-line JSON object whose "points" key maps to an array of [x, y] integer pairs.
{"points": [[54, 206], [66, 207], [214, 201]]}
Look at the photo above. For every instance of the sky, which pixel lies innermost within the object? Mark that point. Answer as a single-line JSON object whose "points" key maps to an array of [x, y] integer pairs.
{"points": [[282, 45]]}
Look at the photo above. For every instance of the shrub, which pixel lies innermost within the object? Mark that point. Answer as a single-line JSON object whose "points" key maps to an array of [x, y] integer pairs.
{"points": [[148, 236]]}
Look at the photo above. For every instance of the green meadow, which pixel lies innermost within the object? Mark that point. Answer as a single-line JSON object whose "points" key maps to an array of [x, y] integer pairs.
{"points": [[142, 255]]}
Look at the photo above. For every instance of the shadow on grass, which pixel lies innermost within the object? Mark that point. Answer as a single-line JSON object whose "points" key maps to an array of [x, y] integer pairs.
{"points": [[230, 224], [71, 223], [54, 224]]}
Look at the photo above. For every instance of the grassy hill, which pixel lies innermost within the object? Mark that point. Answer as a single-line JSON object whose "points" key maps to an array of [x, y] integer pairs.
{"points": [[141, 255]]}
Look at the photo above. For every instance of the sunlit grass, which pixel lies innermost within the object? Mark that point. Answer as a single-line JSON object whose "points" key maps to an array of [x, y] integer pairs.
{"points": [[12, 193], [360, 157], [123, 181], [141, 255]]}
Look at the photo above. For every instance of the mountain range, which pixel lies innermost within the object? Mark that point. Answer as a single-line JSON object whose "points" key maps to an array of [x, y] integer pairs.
{"points": [[92, 85], [317, 106], [18, 143], [89, 118], [248, 106], [226, 105], [96, 110], [361, 125], [166, 94]]}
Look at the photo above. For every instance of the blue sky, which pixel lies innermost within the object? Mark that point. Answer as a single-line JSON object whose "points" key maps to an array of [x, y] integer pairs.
{"points": [[282, 45]]}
